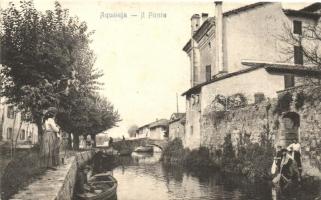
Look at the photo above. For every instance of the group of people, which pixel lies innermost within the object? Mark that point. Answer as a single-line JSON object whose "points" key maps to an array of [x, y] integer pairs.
{"points": [[287, 165], [86, 142]]}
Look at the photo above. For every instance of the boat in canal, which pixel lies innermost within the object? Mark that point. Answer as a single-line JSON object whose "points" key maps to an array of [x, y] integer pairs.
{"points": [[144, 149], [99, 187]]}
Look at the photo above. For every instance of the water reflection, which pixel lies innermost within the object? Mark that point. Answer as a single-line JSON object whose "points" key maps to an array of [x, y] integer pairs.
{"points": [[141, 176]]}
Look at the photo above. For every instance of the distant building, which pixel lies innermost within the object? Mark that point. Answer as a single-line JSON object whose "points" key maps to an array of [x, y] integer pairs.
{"points": [[157, 130], [239, 51], [10, 123], [143, 131], [177, 126]]}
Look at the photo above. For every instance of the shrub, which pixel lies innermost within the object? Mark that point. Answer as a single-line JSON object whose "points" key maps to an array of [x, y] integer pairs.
{"points": [[299, 100], [253, 160], [283, 103], [175, 153]]}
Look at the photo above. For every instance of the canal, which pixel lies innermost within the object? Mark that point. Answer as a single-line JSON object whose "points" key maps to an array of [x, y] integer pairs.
{"points": [[144, 177]]}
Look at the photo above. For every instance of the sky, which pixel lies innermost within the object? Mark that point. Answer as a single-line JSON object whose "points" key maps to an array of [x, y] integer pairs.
{"points": [[142, 58]]}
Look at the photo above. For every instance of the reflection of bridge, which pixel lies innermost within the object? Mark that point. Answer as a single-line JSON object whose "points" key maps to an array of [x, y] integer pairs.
{"points": [[131, 145]]}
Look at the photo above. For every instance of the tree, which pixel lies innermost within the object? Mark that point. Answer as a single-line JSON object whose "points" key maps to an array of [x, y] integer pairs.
{"points": [[36, 57], [303, 46], [47, 62], [132, 130], [88, 115]]}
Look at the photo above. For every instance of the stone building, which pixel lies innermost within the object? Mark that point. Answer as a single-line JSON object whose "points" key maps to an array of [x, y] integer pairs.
{"points": [[11, 122], [176, 127], [240, 51]]}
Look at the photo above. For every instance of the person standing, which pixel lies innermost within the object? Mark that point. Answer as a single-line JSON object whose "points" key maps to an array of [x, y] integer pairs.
{"points": [[110, 142], [296, 147], [50, 139]]}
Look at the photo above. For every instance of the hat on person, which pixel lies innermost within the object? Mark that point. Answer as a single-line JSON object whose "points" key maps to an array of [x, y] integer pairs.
{"points": [[51, 110]]}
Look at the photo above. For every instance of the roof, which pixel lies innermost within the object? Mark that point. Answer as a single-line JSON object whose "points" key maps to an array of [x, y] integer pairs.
{"points": [[177, 116], [300, 13], [244, 8], [225, 76], [158, 123], [312, 7], [181, 120], [284, 68], [210, 22]]}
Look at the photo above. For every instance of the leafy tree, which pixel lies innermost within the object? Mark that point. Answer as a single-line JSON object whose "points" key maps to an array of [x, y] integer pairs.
{"points": [[36, 57], [88, 115], [47, 61]]}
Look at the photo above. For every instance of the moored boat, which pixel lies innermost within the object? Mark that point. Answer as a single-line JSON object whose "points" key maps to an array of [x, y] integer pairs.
{"points": [[100, 186]]}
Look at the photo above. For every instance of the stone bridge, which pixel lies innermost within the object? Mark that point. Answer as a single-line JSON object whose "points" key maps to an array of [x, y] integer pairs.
{"points": [[131, 145]]}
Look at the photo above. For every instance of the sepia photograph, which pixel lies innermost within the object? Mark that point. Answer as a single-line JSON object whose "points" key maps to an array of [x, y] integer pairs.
{"points": [[160, 100]]}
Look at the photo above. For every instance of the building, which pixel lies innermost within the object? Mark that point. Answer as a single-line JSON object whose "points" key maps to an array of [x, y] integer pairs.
{"points": [[143, 131], [157, 130], [11, 124], [176, 126], [240, 51]]}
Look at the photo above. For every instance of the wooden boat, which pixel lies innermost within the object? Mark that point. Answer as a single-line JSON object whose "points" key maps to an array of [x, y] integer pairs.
{"points": [[144, 149], [100, 186]]}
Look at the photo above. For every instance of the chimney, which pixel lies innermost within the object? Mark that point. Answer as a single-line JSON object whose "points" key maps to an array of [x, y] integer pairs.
{"points": [[204, 17], [195, 22], [195, 55], [219, 37]]}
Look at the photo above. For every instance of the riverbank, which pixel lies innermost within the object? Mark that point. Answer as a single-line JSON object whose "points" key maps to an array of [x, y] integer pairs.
{"points": [[252, 161], [22, 169], [56, 184]]}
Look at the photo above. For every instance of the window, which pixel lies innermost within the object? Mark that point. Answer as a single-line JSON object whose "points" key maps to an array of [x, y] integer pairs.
{"points": [[192, 130], [298, 55], [9, 133], [23, 135], [10, 112], [288, 81], [208, 72], [297, 27]]}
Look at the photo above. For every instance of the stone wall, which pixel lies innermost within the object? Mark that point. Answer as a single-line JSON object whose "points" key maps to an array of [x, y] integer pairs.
{"points": [[56, 184], [251, 122], [67, 189]]}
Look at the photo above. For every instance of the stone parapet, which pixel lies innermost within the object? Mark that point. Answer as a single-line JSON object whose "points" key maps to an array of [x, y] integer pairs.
{"points": [[56, 184]]}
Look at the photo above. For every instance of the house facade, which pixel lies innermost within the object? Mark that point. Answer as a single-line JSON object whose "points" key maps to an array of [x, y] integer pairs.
{"points": [[176, 126], [143, 131], [241, 51], [157, 130], [12, 124]]}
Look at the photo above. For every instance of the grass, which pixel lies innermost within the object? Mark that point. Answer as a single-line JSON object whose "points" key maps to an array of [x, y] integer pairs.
{"points": [[20, 171]]}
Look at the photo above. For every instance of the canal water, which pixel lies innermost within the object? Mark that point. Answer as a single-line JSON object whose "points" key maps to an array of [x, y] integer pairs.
{"points": [[143, 177]]}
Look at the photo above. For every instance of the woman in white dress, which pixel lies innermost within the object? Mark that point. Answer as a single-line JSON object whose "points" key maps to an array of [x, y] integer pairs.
{"points": [[50, 137]]}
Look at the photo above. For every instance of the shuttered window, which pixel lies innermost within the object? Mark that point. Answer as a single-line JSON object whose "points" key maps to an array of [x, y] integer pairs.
{"points": [[297, 27], [208, 72], [298, 55], [289, 80]]}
